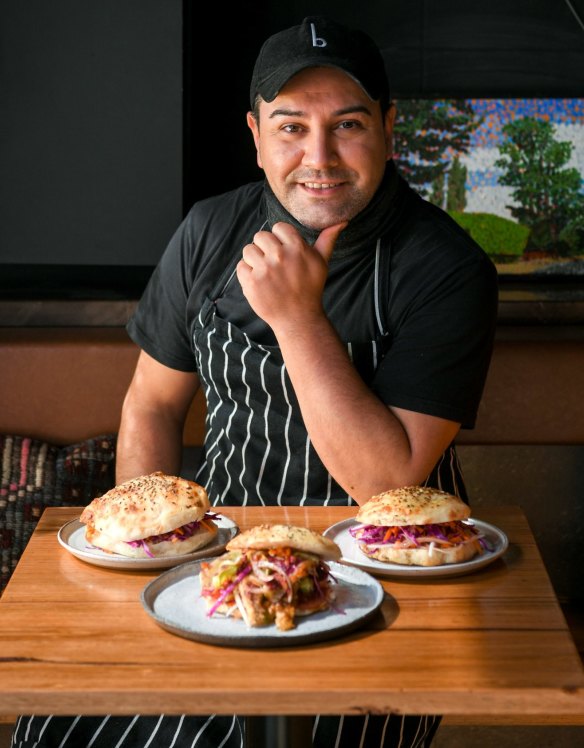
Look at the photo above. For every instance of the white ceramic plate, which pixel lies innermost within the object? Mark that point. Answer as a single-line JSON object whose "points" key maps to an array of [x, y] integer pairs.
{"points": [[351, 554], [72, 537], [174, 601]]}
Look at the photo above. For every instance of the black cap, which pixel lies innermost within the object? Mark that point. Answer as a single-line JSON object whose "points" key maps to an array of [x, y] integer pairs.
{"points": [[319, 41]]}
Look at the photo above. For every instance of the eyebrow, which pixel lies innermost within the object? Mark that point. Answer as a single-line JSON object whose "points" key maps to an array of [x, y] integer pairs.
{"points": [[354, 109]]}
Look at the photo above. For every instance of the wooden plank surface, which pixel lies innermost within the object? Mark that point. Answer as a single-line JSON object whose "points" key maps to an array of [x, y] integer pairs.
{"points": [[74, 638]]}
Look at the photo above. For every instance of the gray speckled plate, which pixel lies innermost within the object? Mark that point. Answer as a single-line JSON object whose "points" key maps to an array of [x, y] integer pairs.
{"points": [[352, 554], [174, 601], [72, 537]]}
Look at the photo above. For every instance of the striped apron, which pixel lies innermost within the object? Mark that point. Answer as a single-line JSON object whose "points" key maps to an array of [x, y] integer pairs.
{"points": [[257, 452]]}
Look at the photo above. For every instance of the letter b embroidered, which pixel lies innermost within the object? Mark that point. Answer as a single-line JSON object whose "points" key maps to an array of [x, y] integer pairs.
{"points": [[316, 40]]}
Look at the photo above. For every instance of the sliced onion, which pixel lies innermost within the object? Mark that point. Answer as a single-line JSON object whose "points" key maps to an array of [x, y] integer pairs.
{"points": [[241, 607]]}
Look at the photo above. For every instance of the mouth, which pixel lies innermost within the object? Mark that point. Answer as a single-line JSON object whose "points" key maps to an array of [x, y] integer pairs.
{"points": [[321, 185]]}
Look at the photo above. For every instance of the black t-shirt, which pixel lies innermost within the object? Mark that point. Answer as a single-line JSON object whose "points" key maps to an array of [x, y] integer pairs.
{"points": [[438, 292]]}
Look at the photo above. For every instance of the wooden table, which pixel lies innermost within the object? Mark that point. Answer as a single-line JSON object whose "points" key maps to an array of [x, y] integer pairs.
{"points": [[74, 638]]}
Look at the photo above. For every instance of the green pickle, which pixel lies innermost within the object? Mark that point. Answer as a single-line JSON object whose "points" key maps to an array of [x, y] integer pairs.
{"points": [[229, 573], [305, 585]]}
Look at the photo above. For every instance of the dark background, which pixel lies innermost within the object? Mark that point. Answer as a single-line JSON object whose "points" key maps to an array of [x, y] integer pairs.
{"points": [[118, 114]]}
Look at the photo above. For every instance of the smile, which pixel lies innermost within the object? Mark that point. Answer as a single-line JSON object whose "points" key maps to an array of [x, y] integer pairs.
{"points": [[320, 186]]}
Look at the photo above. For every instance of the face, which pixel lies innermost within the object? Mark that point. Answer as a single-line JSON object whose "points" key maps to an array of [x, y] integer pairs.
{"points": [[323, 145]]}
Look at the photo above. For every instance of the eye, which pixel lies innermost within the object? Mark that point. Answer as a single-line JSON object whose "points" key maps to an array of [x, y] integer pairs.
{"points": [[349, 124], [291, 128]]}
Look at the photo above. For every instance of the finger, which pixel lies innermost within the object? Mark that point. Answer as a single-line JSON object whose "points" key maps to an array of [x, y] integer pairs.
{"points": [[285, 233], [327, 239], [242, 271], [266, 240], [251, 254]]}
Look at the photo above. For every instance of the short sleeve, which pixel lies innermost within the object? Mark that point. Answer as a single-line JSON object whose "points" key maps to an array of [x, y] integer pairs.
{"points": [[442, 332], [210, 237], [159, 324]]}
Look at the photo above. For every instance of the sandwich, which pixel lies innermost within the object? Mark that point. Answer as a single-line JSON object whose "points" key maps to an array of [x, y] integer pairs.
{"points": [[271, 574], [151, 516], [417, 526]]}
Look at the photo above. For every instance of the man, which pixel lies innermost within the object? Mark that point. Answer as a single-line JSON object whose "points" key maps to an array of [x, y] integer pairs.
{"points": [[341, 327]]}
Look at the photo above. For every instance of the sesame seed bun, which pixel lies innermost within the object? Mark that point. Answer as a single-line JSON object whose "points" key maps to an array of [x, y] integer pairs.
{"points": [[263, 537], [147, 506], [412, 505], [429, 556]]}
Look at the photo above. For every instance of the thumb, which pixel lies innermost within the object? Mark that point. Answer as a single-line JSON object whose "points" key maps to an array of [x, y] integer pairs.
{"points": [[327, 239]]}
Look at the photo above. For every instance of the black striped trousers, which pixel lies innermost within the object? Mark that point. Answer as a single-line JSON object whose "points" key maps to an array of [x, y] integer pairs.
{"points": [[377, 731]]}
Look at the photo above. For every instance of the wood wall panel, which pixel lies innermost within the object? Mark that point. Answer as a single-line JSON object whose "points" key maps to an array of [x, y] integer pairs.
{"points": [[68, 384]]}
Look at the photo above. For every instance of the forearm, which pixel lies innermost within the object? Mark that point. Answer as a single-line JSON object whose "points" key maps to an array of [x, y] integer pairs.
{"points": [[153, 416], [148, 442], [362, 444]]}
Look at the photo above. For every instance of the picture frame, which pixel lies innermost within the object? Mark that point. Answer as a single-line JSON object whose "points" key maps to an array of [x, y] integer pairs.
{"points": [[510, 171]]}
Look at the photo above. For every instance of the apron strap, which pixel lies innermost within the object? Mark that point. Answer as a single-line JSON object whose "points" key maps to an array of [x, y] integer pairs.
{"points": [[381, 284], [225, 278]]}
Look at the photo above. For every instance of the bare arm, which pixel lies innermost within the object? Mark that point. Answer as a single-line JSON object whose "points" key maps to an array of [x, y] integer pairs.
{"points": [[365, 445], [153, 417]]}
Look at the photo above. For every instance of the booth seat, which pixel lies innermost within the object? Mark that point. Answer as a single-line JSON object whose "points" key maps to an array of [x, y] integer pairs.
{"points": [[36, 475]]}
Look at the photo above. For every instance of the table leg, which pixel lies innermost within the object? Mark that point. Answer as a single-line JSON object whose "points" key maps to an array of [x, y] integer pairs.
{"points": [[278, 732]]}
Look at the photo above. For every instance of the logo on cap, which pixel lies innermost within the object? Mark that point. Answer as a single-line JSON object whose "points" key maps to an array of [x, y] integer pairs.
{"points": [[317, 41]]}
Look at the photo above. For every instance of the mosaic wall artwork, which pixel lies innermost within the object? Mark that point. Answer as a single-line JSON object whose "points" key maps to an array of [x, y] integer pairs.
{"points": [[510, 171]]}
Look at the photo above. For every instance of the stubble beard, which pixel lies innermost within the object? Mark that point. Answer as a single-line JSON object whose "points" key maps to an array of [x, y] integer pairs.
{"points": [[318, 214]]}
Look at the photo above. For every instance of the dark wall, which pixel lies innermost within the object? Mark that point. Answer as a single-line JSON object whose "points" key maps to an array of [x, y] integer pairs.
{"points": [[91, 128], [105, 145]]}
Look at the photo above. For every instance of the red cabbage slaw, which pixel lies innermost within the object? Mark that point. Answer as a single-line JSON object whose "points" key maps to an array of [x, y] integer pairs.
{"points": [[181, 533], [454, 533]]}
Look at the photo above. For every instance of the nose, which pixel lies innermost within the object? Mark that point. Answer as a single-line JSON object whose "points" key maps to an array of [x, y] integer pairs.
{"points": [[319, 149]]}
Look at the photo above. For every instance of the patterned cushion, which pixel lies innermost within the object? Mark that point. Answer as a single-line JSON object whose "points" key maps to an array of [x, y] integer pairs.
{"points": [[35, 475]]}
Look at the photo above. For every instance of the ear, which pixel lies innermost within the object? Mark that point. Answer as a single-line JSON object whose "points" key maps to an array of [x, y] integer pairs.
{"points": [[388, 124], [255, 129]]}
